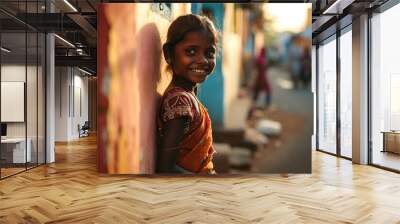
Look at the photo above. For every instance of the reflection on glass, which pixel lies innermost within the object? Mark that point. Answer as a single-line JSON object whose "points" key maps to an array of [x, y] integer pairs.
{"points": [[327, 97], [346, 94]]}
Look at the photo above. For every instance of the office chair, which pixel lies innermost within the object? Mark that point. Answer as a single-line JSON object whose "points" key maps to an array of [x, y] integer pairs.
{"points": [[84, 130]]}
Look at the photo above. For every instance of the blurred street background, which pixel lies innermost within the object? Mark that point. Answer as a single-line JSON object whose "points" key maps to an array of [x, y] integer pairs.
{"points": [[266, 126]]}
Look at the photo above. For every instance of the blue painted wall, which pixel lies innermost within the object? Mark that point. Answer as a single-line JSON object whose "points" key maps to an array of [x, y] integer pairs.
{"points": [[211, 92]]}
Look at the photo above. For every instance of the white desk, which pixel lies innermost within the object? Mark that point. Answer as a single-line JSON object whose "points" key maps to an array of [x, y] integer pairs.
{"points": [[17, 147]]}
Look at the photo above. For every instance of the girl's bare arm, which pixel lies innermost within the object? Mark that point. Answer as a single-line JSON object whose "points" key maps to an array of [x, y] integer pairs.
{"points": [[172, 135]]}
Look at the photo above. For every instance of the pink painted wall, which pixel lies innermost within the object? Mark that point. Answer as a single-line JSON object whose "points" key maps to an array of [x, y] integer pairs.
{"points": [[130, 82]]}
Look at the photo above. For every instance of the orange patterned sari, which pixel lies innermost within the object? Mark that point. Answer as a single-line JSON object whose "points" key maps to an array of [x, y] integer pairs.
{"points": [[196, 150], [196, 147]]}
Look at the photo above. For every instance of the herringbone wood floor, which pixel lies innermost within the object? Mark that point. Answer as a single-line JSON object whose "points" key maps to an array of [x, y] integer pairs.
{"points": [[71, 191]]}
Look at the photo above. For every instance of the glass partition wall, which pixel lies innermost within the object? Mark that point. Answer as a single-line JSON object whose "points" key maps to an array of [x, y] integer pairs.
{"points": [[334, 89], [327, 95], [346, 92], [22, 88], [334, 105], [385, 89], [13, 109]]}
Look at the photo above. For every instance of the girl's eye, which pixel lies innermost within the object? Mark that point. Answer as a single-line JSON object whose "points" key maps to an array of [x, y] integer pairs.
{"points": [[190, 52], [210, 54]]}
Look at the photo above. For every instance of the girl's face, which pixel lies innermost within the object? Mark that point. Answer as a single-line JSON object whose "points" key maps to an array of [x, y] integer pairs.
{"points": [[194, 57]]}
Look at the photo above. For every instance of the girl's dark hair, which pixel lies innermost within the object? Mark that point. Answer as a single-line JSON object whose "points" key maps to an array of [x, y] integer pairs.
{"points": [[183, 25]]}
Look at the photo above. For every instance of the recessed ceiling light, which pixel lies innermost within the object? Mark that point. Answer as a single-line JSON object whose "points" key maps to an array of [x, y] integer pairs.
{"points": [[84, 71], [5, 50], [65, 41], [70, 5], [337, 7]]}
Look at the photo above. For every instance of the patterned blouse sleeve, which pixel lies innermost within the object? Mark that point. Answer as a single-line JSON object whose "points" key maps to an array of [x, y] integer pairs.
{"points": [[177, 105]]}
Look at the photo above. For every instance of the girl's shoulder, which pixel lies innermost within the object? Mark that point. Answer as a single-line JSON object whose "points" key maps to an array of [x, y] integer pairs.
{"points": [[177, 102], [173, 93]]}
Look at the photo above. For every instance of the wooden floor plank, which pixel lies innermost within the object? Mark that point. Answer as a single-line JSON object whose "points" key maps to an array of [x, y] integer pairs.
{"points": [[72, 191]]}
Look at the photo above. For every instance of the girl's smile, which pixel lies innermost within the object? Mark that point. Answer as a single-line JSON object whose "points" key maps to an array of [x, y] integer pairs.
{"points": [[194, 57]]}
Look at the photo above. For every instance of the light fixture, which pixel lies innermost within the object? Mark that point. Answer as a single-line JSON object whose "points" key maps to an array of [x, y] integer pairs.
{"points": [[80, 51], [337, 7], [70, 5], [332, 8], [84, 71], [5, 50], [65, 41]]}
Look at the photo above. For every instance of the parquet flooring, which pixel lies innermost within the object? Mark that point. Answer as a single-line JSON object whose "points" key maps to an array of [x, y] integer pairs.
{"points": [[71, 191], [9, 171]]}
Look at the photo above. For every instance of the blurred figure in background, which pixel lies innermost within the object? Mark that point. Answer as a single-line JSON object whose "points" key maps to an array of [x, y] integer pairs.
{"points": [[262, 82], [295, 54], [305, 75]]}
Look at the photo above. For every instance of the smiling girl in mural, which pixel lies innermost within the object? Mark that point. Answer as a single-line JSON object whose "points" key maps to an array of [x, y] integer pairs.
{"points": [[184, 125]]}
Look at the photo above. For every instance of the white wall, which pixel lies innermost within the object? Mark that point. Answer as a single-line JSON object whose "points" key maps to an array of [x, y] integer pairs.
{"points": [[71, 94], [13, 73], [80, 100], [62, 81]]}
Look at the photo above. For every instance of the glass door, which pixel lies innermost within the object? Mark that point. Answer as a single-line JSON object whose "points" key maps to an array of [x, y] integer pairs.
{"points": [[327, 95], [346, 92]]}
